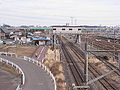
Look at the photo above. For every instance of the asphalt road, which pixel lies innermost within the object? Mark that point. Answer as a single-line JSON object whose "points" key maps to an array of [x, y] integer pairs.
{"points": [[36, 78], [8, 81]]}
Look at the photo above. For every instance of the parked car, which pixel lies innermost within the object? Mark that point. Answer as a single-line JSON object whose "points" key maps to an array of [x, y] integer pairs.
{"points": [[1, 42], [9, 42]]}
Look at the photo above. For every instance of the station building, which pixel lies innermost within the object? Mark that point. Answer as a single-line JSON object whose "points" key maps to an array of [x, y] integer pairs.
{"points": [[78, 29], [67, 29]]}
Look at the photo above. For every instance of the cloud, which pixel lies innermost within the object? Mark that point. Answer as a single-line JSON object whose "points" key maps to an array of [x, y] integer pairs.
{"points": [[60, 11]]}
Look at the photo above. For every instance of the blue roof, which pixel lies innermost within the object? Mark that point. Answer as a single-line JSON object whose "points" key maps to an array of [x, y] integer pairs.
{"points": [[41, 38], [29, 36]]}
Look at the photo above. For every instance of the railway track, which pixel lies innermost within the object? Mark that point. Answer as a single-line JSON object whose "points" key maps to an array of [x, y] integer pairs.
{"points": [[108, 64], [92, 69], [74, 68], [106, 46], [100, 42], [103, 44]]}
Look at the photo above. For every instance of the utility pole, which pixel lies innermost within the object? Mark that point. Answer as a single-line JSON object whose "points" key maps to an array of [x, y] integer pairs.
{"points": [[119, 61], [114, 45], [86, 63], [75, 21], [53, 41], [85, 86]]}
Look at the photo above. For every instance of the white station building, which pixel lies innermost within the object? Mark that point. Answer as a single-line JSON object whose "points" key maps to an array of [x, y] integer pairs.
{"points": [[66, 29]]}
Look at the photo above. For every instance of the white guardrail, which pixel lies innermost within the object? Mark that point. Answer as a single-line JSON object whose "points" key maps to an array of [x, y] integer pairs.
{"points": [[20, 70], [43, 67], [17, 68], [8, 54]]}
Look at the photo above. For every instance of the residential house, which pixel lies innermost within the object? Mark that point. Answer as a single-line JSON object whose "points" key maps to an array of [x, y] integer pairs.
{"points": [[41, 40], [5, 33]]}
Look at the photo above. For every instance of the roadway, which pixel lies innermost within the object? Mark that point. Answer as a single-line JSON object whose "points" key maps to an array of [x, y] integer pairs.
{"points": [[35, 77]]}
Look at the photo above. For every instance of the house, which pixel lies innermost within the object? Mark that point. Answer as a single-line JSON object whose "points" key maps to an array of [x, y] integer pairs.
{"points": [[5, 33], [2, 34], [41, 40], [45, 30]]}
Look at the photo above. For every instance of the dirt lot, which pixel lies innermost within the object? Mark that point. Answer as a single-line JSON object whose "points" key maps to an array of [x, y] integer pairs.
{"points": [[19, 50]]}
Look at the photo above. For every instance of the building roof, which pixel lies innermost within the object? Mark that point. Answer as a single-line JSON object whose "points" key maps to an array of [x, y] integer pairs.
{"points": [[5, 30], [41, 38], [46, 39]]}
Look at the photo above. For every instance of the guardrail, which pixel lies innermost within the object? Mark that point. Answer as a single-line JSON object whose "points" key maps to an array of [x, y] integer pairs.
{"points": [[17, 68], [43, 67], [8, 54], [20, 70]]}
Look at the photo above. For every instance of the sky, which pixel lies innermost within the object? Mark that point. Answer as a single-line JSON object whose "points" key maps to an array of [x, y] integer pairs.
{"points": [[60, 12]]}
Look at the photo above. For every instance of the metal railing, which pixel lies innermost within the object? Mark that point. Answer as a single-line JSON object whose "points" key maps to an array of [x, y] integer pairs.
{"points": [[20, 70], [17, 68], [8, 54], [43, 67]]}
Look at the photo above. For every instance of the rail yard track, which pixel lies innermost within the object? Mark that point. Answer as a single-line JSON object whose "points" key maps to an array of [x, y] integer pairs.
{"points": [[105, 45], [75, 69], [76, 72]]}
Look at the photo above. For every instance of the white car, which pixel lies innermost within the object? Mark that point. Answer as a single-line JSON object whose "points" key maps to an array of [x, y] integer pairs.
{"points": [[1, 42]]}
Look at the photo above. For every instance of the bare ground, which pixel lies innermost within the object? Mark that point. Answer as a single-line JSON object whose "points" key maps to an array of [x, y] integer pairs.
{"points": [[52, 61], [112, 78], [19, 50]]}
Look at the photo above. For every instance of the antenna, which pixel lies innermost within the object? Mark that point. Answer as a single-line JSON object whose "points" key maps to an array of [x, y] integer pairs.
{"points": [[71, 20], [75, 21]]}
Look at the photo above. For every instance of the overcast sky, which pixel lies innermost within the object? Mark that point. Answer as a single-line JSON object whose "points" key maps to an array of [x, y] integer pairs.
{"points": [[59, 12]]}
